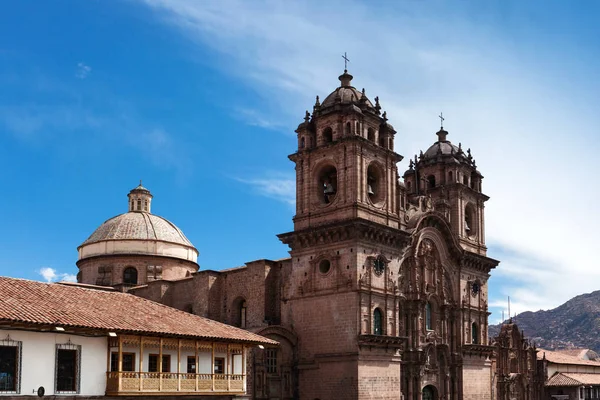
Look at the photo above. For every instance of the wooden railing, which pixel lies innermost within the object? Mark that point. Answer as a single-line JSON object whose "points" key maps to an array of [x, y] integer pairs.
{"points": [[170, 382]]}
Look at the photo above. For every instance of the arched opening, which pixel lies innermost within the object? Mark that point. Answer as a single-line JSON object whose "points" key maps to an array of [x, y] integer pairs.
{"points": [[130, 276], [377, 322], [465, 180], [375, 183], [348, 129], [238, 309], [327, 135], [470, 220], [428, 325], [429, 393], [139, 205], [431, 181], [357, 128], [327, 184], [371, 134], [145, 205], [324, 266], [474, 333], [302, 142], [382, 141]]}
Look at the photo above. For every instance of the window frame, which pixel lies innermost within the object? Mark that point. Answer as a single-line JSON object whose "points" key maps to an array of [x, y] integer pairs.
{"points": [[377, 321], [18, 345], [428, 319], [221, 366], [68, 346], [271, 354], [115, 354], [193, 365], [165, 357]]}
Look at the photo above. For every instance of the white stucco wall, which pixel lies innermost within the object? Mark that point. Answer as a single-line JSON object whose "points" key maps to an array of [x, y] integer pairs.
{"points": [[38, 361], [152, 247]]}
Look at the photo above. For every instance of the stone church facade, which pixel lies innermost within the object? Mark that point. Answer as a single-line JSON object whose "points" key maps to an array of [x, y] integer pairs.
{"points": [[385, 292]]}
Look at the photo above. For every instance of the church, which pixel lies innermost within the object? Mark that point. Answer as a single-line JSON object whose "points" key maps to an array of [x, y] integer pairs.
{"points": [[385, 292]]}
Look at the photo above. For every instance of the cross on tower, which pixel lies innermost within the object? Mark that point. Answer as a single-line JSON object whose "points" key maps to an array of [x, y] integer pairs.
{"points": [[346, 61], [441, 116]]}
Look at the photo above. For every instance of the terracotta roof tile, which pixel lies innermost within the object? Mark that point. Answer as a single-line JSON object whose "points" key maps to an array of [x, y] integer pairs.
{"points": [[39, 303], [573, 379], [561, 358]]}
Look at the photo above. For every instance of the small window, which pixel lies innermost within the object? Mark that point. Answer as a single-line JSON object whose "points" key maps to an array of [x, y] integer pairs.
{"points": [[431, 181], [348, 129], [428, 325], [465, 180], [243, 315], [67, 370], [474, 333], [377, 322], [409, 185], [382, 141], [324, 266], [139, 205], [271, 355], [371, 134], [302, 143], [153, 363], [450, 177], [219, 365], [328, 135], [145, 205], [128, 362], [10, 360], [130, 276], [191, 365], [357, 128]]}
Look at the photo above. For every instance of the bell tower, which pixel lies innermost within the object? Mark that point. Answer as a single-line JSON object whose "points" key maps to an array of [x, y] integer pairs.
{"points": [[341, 295], [345, 163], [450, 177]]}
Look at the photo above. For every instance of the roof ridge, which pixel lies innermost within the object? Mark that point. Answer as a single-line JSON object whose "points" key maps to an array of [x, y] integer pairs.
{"points": [[149, 220]]}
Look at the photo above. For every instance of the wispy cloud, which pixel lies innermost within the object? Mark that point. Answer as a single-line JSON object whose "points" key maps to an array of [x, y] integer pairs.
{"points": [[52, 275], [529, 134], [82, 71], [274, 185], [256, 118]]}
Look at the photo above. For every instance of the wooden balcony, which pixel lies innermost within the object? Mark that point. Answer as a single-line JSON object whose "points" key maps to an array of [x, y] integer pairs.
{"points": [[155, 383]]}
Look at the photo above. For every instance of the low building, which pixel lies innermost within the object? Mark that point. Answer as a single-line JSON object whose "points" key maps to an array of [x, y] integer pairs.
{"points": [[80, 340], [571, 375]]}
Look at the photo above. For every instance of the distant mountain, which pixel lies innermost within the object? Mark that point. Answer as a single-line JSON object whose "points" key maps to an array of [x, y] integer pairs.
{"points": [[573, 324]]}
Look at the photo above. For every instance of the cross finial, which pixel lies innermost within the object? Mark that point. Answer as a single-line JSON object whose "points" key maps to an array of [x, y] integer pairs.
{"points": [[441, 116], [140, 182], [346, 61]]}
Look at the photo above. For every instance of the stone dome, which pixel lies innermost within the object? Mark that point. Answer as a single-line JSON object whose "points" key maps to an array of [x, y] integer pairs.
{"points": [[346, 94], [138, 232], [444, 148], [138, 226]]}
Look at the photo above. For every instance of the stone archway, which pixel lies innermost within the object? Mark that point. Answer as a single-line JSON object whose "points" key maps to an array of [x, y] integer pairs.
{"points": [[429, 393]]}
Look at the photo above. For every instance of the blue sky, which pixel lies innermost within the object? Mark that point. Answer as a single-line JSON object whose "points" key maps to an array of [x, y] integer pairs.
{"points": [[200, 99]]}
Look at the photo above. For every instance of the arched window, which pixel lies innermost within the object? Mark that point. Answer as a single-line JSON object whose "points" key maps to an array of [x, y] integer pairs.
{"points": [[132, 205], [357, 128], [371, 134], [328, 135], [428, 325], [302, 143], [145, 205], [382, 142], [243, 315], [470, 220], [139, 205], [390, 144], [474, 333], [348, 128], [377, 322], [431, 181], [130, 276], [450, 180]]}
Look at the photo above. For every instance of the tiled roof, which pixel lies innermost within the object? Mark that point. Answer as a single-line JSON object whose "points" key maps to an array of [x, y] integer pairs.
{"points": [[36, 303], [138, 225], [573, 379], [561, 358]]}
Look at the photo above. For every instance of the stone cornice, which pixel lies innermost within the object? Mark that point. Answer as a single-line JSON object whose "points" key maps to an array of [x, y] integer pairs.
{"points": [[356, 229], [478, 262]]}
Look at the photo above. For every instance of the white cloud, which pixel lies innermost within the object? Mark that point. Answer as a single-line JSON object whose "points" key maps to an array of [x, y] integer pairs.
{"points": [[51, 275], [83, 70], [276, 186], [528, 125]]}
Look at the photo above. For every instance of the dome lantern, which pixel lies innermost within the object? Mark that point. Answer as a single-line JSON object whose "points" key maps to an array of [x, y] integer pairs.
{"points": [[140, 199]]}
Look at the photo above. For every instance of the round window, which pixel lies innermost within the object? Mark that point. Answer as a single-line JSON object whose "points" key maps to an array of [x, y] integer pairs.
{"points": [[324, 266]]}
